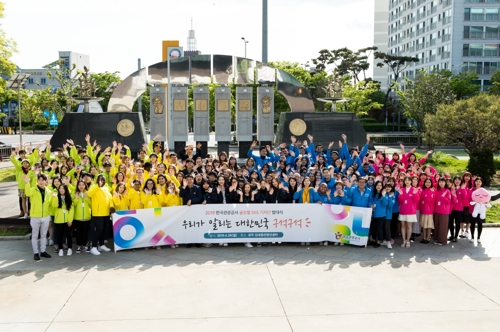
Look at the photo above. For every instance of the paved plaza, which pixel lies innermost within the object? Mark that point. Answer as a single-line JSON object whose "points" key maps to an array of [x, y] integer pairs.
{"points": [[273, 288]]}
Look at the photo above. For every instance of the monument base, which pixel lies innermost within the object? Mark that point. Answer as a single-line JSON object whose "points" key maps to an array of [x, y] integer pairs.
{"points": [[325, 128], [103, 128]]}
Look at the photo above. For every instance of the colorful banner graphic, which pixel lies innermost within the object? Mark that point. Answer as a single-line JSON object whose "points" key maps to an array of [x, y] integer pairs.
{"points": [[240, 223]]}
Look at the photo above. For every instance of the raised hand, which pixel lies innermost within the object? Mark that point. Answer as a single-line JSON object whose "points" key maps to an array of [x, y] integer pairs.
{"points": [[293, 139], [330, 145]]}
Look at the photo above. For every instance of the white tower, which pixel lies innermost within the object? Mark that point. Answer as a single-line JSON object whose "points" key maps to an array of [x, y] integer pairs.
{"points": [[191, 40]]}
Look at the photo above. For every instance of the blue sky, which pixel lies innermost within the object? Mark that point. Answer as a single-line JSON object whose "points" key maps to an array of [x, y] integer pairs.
{"points": [[115, 33]]}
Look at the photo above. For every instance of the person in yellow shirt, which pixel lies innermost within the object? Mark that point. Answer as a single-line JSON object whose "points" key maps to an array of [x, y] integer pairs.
{"points": [[81, 206], [101, 203], [151, 197], [172, 197], [134, 196], [120, 198], [63, 218]]}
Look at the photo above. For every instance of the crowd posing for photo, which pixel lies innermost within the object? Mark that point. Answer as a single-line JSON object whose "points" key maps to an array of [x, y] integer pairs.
{"points": [[71, 191]]}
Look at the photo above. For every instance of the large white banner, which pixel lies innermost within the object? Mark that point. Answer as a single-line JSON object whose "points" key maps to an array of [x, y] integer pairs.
{"points": [[240, 223]]}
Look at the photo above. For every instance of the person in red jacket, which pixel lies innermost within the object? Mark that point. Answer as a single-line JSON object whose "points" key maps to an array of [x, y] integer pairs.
{"points": [[427, 198], [408, 201], [441, 212], [457, 208]]}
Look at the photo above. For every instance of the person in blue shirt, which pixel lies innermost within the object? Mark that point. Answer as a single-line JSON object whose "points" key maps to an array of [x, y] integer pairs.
{"points": [[340, 195], [322, 196], [360, 194], [378, 202], [388, 215], [327, 178], [365, 169], [354, 156], [264, 157]]}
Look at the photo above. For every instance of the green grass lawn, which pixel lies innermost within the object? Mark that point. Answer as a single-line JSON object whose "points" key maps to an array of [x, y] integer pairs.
{"points": [[7, 175], [14, 231], [493, 214]]}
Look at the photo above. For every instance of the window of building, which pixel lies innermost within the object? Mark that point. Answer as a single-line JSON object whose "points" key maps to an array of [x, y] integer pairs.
{"points": [[491, 14], [30, 81], [43, 81], [491, 50]]}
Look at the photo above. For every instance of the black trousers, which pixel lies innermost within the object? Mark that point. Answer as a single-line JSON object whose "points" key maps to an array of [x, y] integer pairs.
{"points": [[473, 221], [394, 225], [62, 230], [97, 225], [456, 217], [82, 231]]}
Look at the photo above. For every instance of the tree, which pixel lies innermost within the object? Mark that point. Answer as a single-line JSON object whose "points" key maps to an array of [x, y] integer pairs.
{"points": [[473, 123], [358, 95], [67, 79], [33, 106], [463, 85], [7, 48], [345, 61], [397, 64], [102, 82], [495, 80], [423, 97]]}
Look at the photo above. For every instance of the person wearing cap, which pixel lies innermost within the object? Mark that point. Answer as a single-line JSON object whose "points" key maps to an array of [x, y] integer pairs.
{"points": [[22, 168]]}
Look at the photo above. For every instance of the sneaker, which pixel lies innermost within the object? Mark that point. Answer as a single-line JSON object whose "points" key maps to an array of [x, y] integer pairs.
{"points": [[78, 250], [86, 249], [36, 257], [384, 243], [221, 244], [478, 240], [45, 255], [411, 240], [61, 253], [389, 246], [308, 243], [25, 216], [259, 244], [376, 245], [248, 245], [341, 243], [177, 246], [325, 243], [461, 234], [466, 235], [335, 243], [94, 251], [302, 243], [104, 248], [454, 239], [173, 246], [225, 244], [70, 252], [56, 249], [471, 240], [158, 247], [51, 243]]}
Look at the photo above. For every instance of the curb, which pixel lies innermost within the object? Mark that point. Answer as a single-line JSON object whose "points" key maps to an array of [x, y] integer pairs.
{"points": [[15, 238], [496, 224]]}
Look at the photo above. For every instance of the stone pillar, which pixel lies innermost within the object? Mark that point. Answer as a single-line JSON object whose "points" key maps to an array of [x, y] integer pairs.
{"points": [[201, 113], [179, 115], [158, 123], [244, 119], [223, 118], [265, 115]]}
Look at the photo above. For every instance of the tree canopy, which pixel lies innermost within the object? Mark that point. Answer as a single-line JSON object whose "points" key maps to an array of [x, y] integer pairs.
{"points": [[495, 81]]}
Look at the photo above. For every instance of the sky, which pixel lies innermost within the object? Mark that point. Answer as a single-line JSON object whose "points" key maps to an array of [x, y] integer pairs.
{"points": [[116, 33]]}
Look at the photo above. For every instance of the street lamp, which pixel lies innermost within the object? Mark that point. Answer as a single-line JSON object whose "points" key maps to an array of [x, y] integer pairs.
{"points": [[246, 42], [16, 82]]}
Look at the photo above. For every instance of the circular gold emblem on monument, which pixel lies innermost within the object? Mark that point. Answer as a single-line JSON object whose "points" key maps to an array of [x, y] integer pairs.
{"points": [[125, 128], [297, 127]]}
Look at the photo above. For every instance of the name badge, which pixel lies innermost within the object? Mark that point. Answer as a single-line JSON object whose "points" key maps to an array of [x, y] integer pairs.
{"points": [[406, 202], [83, 204], [150, 203], [439, 203]]}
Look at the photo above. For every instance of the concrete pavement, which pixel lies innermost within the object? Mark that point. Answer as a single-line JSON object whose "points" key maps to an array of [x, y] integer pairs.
{"points": [[273, 288]]}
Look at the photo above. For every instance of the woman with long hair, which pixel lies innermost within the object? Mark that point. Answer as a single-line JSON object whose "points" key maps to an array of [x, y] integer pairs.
{"points": [[101, 203], [409, 197], [81, 207], [478, 183], [467, 186], [457, 208], [427, 200], [442, 208], [379, 202], [63, 218]]}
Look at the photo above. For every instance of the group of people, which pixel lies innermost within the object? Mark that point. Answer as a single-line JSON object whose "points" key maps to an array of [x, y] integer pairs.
{"points": [[71, 191]]}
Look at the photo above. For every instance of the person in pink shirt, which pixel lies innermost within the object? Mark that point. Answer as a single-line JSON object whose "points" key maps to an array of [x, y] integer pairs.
{"points": [[427, 198], [467, 185], [441, 212], [457, 208], [408, 201]]}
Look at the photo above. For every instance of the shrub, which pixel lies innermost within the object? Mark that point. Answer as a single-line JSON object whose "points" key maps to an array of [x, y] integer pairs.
{"points": [[481, 164]]}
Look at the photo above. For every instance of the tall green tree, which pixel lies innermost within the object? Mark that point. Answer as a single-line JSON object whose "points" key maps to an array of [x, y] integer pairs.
{"points": [[495, 80], [68, 80], [359, 98], [7, 49], [423, 96], [102, 82], [396, 64], [473, 123], [463, 84], [33, 103]]}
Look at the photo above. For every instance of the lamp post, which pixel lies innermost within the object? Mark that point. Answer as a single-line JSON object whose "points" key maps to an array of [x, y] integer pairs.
{"points": [[16, 82], [245, 42]]}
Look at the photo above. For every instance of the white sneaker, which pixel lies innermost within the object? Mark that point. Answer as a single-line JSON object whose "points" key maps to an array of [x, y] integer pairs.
{"points": [[478, 240], [389, 246], [172, 246], [466, 234], [325, 243], [341, 243], [471, 240], [248, 245], [51, 243], [61, 252], [26, 216], [94, 251], [104, 248], [70, 252], [384, 243], [225, 244]]}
